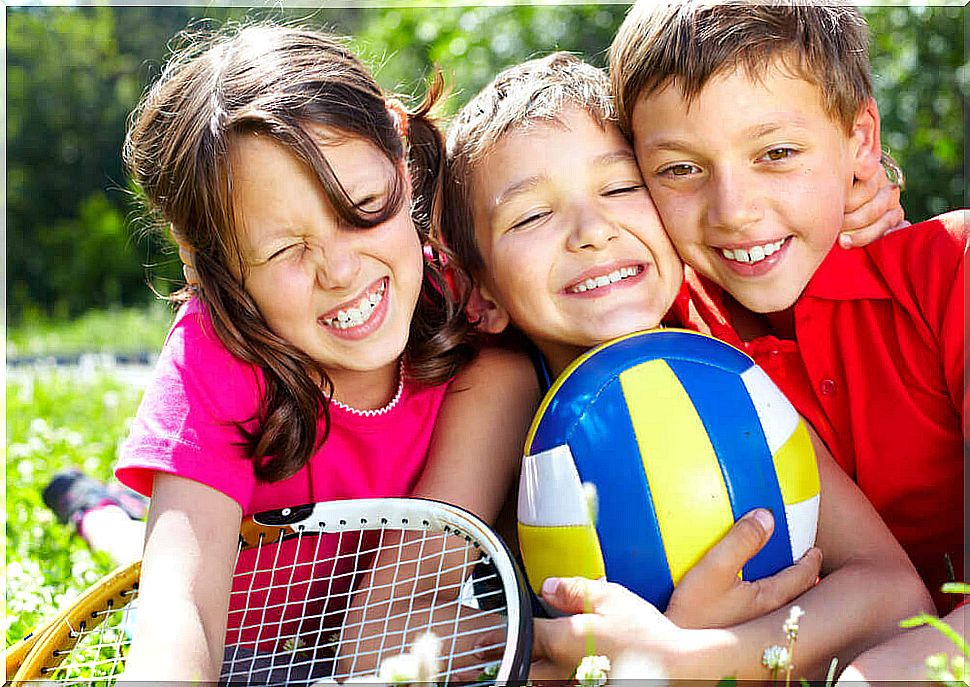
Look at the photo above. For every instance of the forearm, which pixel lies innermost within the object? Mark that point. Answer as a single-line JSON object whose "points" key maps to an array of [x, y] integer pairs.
{"points": [[170, 644], [904, 656], [844, 614]]}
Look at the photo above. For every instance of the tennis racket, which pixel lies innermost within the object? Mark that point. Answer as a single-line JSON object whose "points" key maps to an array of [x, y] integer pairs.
{"points": [[330, 591]]}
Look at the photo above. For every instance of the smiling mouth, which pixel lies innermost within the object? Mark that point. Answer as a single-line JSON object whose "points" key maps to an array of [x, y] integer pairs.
{"points": [[360, 312], [592, 283], [753, 254]]}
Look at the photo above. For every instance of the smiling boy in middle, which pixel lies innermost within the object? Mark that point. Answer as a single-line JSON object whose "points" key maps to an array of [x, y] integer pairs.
{"points": [[545, 204]]}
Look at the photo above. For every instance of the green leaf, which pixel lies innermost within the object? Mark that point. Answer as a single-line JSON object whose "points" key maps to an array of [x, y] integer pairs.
{"points": [[956, 588]]}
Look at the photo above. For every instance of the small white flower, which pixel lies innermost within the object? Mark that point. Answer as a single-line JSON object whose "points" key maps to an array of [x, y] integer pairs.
{"points": [[638, 665], [426, 649], [592, 671], [791, 624], [775, 658], [419, 665], [399, 670]]}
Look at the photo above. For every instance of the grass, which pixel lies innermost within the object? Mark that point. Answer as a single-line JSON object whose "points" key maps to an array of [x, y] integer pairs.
{"points": [[55, 419], [120, 331]]}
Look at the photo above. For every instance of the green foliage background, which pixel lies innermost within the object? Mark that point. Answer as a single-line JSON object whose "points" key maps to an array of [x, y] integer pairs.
{"points": [[74, 238]]}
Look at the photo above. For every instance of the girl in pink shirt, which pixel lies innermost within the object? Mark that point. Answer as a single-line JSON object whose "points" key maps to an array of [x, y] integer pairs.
{"points": [[317, 348]]}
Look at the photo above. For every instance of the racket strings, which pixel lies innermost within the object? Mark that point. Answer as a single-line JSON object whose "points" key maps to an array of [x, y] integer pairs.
{"points": [[98, 644], [338, 605], [308, 607]]}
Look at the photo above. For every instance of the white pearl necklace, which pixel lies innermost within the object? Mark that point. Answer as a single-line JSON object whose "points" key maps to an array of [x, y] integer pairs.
{"points": [[377, 411]]}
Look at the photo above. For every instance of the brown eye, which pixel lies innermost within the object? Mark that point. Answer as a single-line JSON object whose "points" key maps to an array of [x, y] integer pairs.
{"points": [[778, 154], [681, 169]]}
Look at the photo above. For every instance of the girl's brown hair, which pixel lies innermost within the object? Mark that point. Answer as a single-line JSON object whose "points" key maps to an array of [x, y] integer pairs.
{"points": [[278, 81]]}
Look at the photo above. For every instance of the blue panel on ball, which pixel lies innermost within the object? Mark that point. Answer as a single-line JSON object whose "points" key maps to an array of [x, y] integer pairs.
{"points": [[735, 432], [681, 345], [606, 453], [584, 383]]}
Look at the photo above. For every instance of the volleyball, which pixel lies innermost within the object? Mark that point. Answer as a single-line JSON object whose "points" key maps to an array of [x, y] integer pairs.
{"points": [[681, 434]]}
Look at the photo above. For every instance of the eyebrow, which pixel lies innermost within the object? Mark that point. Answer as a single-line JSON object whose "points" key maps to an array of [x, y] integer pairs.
{"points": [[527, 184], [755, 131]]}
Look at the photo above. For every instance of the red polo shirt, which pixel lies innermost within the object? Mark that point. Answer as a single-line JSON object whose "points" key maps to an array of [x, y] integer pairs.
{"points": [[878, 368]]}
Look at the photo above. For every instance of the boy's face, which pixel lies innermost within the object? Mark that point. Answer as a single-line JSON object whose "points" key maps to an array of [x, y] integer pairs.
{"points": [[750, 179], [574, 250]]}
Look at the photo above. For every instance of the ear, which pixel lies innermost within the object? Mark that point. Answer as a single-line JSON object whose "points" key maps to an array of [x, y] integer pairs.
{"points": [[491, 317], [866, 140]]}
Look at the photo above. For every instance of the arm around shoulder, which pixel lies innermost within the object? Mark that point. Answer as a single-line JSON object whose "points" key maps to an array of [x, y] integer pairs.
{"points": [[477, 444]]}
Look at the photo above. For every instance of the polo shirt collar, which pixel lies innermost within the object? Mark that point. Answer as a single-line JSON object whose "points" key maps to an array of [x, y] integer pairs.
{"points": [[846, 274]]}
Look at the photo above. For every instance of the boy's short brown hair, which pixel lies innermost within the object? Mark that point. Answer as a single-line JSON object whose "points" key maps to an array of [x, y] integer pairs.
{"points": [[534, 91], [690, 41]]}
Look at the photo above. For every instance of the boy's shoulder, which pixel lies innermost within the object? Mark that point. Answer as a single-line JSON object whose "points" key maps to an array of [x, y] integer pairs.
{"points": [[910, 263], [947, 232], [929, 254]]}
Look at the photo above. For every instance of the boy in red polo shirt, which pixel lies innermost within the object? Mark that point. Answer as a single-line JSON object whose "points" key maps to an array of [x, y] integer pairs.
{"points": [[749, 123]]}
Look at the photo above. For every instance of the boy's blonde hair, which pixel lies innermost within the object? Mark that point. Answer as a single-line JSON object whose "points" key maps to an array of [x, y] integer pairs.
{"points": [[688, 42], [534, 91]]}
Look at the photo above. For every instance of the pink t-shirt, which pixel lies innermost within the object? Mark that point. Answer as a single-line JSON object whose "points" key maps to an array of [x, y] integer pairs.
{"points": [[185, 426]]}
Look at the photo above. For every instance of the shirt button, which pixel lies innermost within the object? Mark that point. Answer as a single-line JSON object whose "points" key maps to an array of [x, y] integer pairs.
{"points": [[827, 387]]}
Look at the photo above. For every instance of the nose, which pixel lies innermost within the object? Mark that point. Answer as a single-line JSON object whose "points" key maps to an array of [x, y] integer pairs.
{"points": [[592, 229], [733, 202], [337, 264]]}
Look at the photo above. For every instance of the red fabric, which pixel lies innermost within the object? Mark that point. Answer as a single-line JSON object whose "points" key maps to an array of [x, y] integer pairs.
{"points": [[878, 369]]}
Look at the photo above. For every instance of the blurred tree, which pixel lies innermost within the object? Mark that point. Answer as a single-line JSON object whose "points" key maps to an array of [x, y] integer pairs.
{"points": [[69, 90], [74, 74], [471, 44], [922, 81]]}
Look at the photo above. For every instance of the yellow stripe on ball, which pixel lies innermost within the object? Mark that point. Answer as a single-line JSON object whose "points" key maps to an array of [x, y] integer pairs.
{"points": [[692, 513], [796, 468]]}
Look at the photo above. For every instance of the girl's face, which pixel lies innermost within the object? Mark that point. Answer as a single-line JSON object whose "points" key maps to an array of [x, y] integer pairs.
{"points": [[342, 294]]}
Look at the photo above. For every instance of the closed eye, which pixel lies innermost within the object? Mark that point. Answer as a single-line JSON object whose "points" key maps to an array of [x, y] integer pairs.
{"points": [[371, 203], [529, 220], [285, 250], [623, 189]]}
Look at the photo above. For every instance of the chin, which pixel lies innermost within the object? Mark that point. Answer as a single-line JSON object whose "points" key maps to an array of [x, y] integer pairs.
{"points": [[764, 306]]}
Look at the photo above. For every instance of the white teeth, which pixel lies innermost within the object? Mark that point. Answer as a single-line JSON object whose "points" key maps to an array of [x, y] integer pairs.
{"points": [[605, 280], [753, 254], [360, 313]]}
